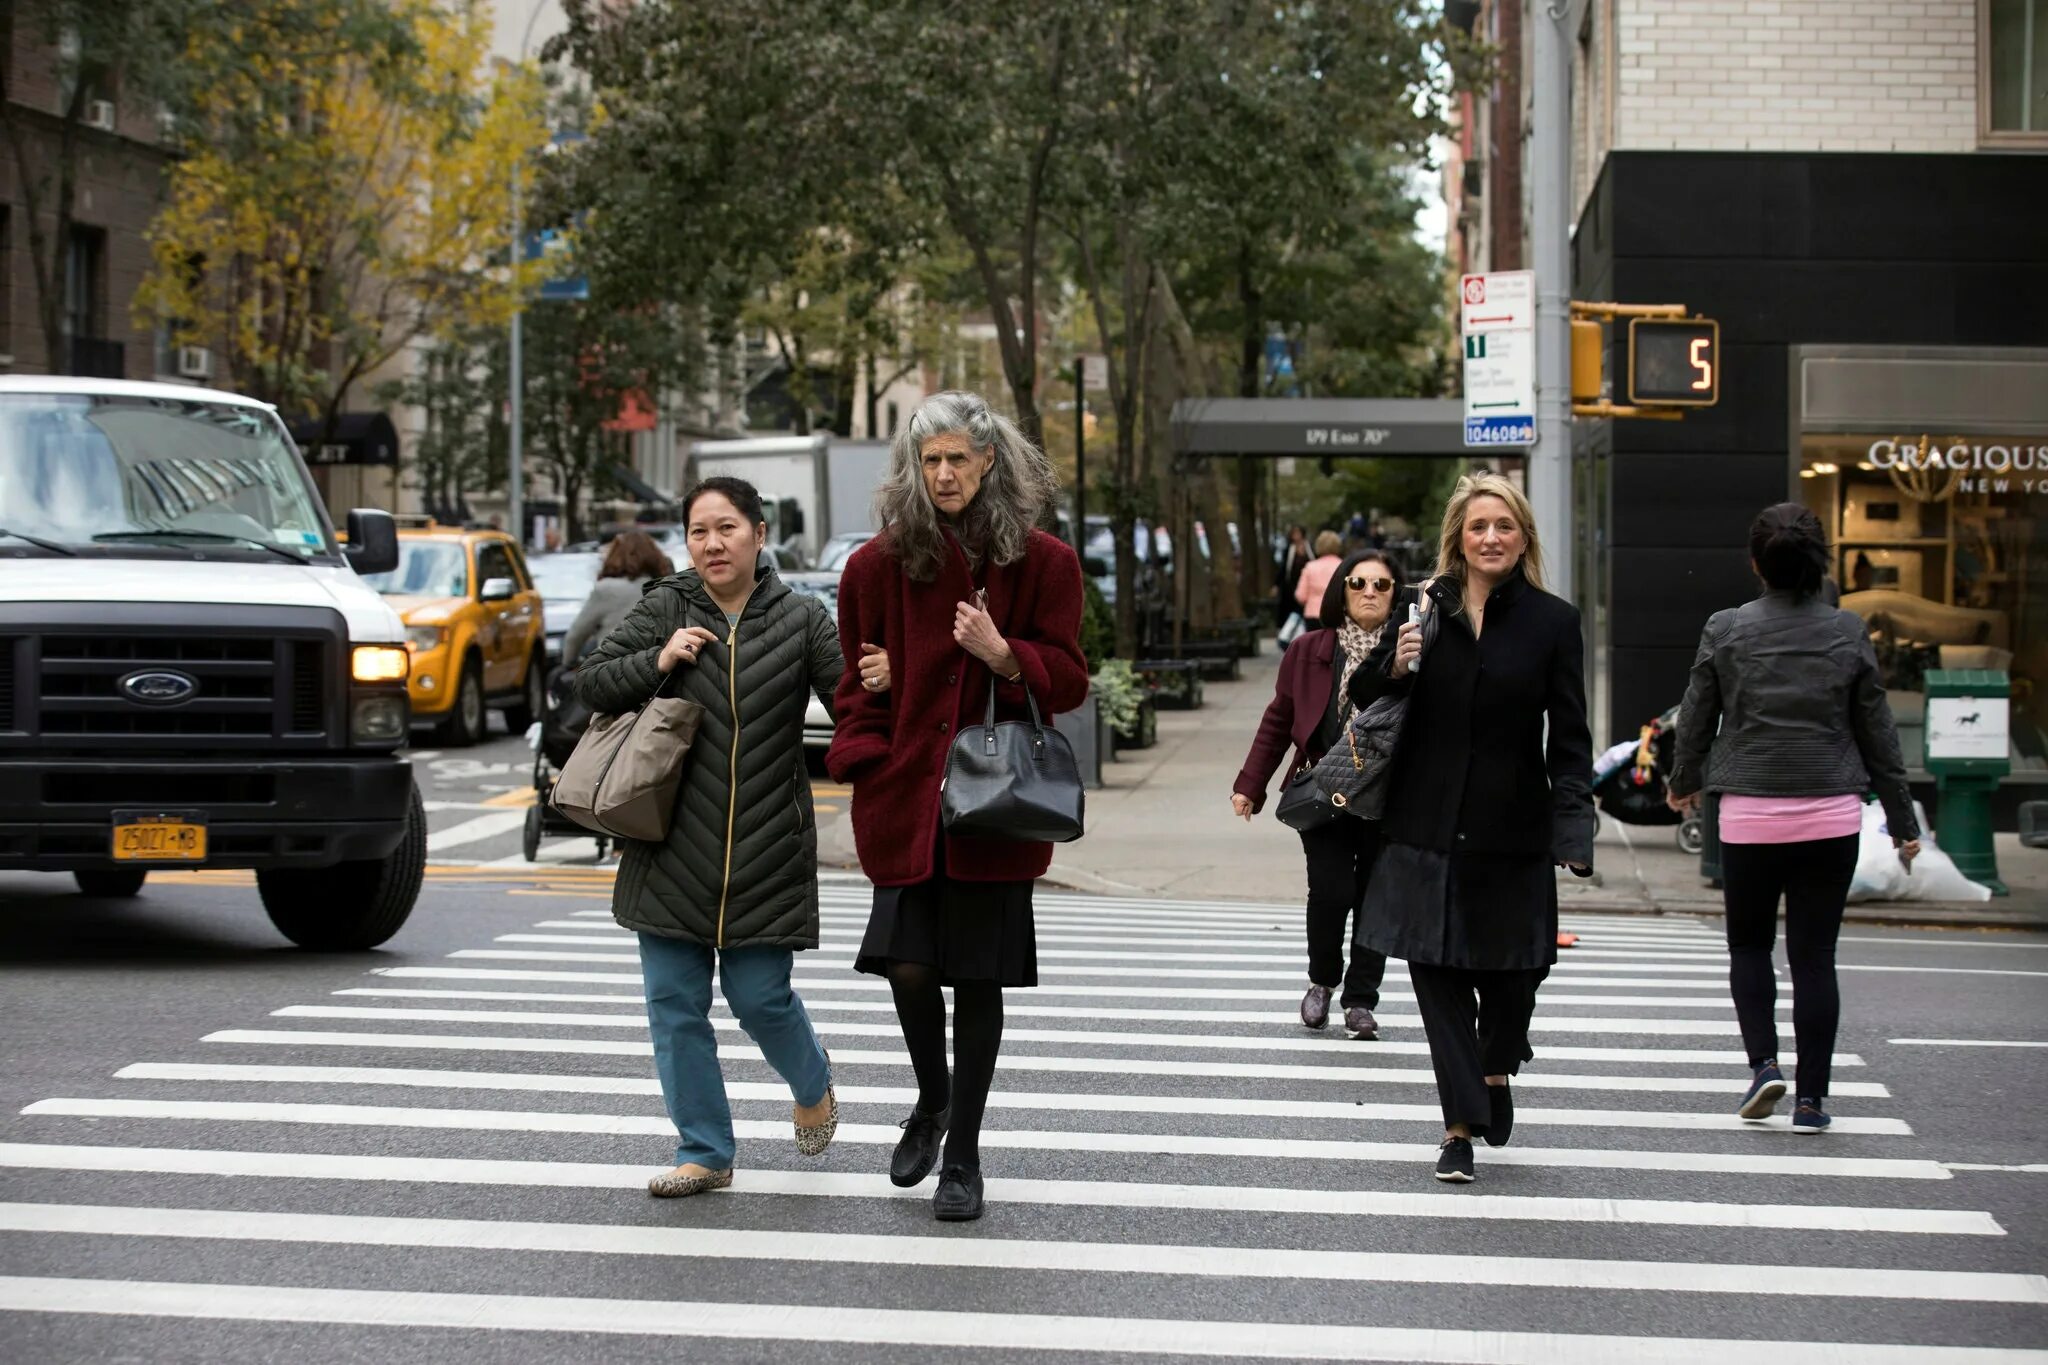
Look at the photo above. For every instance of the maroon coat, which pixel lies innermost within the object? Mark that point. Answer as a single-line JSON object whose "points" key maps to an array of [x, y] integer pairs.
{"points": [[892, 745], [1301, 699]]}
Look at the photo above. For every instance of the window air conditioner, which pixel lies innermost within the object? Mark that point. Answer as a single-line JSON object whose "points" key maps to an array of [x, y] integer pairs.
{"points": [[195, 362], [100, 114]]}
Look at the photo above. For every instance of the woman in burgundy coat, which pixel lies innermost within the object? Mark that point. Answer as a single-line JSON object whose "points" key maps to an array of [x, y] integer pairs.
{"points": [[1309, 709], [956, 594]]}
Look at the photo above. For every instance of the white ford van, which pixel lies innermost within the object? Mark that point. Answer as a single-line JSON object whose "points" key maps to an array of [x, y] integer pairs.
{"points": [[191, 673]]}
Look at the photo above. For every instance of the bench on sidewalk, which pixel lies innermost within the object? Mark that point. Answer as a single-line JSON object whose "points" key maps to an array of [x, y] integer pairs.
{"points": [[1217, 659], [2034, 824], [1176, 684]]}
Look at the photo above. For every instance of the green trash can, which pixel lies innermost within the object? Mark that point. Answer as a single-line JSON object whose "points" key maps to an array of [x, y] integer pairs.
{"points": [[1969, 749]]}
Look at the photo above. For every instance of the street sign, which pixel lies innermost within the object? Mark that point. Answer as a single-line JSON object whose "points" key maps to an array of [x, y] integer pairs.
{"points": [[1504, 301], [1498, 316], [1674, 362]]}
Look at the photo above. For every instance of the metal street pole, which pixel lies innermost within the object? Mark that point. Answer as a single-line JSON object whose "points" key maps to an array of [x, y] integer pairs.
{"points": [[1080, 457], [1550, 255], [515, 456]]}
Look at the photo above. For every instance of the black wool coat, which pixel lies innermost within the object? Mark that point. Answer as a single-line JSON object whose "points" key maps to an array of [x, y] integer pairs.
{"points": [[1495, 756]]}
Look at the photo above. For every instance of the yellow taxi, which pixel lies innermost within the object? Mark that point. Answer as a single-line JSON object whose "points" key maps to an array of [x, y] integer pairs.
{"points": [[473, 625]]}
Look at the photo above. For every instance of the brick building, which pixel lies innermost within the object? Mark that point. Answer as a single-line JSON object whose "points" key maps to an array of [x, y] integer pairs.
{"points": [[119, 162]]}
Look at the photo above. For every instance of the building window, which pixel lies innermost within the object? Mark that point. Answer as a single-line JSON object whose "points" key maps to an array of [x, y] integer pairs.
{"points": [[2012, 64], [85, 281], [895, 416]]}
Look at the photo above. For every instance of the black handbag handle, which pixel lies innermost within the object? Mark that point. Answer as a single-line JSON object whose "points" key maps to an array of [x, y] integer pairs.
{"points": [[988, 725]]}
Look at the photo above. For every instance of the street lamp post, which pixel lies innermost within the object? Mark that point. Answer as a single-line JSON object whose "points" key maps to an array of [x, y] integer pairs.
{"points": [[515, 455]]}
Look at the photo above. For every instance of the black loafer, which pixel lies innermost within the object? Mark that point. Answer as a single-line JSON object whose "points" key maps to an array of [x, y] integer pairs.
{"points": [[917, 1151], [1454, 1161], [1502, 1121], [959, 1196]]}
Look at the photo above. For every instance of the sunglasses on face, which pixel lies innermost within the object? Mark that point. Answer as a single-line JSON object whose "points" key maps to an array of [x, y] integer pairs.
{"points": [[1359, 583]]}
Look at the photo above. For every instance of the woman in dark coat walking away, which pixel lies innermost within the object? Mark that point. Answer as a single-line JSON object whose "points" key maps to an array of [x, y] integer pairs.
{"points": [[1787, 719], [957, 594], [735, 884], [1309, 709], [1482, 806]]}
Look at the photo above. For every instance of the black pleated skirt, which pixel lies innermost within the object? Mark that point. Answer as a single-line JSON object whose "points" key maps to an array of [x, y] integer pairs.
{"points": [[970, 931]]}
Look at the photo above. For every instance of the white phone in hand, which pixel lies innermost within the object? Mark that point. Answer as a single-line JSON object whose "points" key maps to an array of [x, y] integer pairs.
{"points": [[1415, 619]]}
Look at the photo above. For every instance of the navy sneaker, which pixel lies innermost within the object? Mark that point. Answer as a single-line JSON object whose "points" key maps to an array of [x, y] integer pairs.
{"points": [[1765, 1090], [1809, 1117], [1454, 1161]]}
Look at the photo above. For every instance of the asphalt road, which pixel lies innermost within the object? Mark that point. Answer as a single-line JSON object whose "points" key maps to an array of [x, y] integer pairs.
{"points": [[216, 1147]]}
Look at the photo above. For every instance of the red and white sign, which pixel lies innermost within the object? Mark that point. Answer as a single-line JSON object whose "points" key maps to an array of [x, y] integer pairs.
{"points": [[1504, 301]]}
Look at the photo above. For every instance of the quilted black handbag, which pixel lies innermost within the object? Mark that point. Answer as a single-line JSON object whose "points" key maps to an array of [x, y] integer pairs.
{"points": [[1354, 774], [1303, 806], [1017, 780]]}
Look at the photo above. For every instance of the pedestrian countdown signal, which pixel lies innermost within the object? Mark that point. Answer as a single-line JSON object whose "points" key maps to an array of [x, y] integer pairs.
{"points": [[1674, 362]]}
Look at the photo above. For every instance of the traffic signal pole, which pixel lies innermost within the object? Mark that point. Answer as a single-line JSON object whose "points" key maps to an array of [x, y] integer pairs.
{"points": [[1550, 255]]}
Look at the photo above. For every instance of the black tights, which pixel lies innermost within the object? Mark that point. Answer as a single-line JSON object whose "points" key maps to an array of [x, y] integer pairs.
{"points": [[1813, 878], [978, 1037]]}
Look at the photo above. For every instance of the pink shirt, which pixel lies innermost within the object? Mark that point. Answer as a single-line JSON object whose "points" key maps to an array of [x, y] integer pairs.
{"points": [[1315, 581], [1789, 819]]}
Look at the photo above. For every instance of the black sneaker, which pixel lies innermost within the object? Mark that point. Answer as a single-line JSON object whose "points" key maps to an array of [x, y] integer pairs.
{"points": [[1809, 1117], [1766, 1088], [959, 1196], [918, 1149], [1454, 1161], [1502, 1121]]}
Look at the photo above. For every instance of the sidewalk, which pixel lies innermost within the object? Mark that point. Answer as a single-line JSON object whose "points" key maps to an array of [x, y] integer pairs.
{"points": [[1162, 826]]}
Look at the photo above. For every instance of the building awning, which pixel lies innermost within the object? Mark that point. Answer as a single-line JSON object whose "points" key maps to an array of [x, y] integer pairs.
{"points": [[1319, 426], [638, 486], [356, 438]]}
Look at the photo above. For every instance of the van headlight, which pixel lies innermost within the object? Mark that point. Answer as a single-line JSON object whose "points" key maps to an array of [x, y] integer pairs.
{"points": [[379, 718], [380, 664]]}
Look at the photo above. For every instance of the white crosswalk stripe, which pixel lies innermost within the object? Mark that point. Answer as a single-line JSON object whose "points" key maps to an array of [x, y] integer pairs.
{"points": [[1161, 1133]]}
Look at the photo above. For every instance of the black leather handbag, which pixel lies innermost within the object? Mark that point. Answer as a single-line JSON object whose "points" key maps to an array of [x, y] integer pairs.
{"points": [[1303, 806], [1017, 780]]}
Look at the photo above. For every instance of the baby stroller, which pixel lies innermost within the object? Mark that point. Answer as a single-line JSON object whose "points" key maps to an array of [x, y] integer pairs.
{"points": [[1629, 781], [563, 720]]}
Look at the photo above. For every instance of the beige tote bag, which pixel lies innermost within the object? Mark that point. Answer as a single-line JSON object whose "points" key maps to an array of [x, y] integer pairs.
{"points": [[622, 778]]}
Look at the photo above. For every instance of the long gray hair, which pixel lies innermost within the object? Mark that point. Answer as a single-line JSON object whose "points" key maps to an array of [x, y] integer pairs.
{"points": [[1018, 487]]}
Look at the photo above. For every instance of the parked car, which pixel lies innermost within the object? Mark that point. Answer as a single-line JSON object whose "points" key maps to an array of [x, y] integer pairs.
{"points": [[192, 675], [475, 625], [839, 549], [564, 580]]}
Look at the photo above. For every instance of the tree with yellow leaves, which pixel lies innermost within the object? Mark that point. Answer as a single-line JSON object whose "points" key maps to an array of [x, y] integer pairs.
{"points": [[346, 190]]}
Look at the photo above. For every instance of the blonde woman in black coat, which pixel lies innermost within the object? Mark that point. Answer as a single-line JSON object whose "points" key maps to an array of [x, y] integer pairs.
{"points": [[1491, 789]]}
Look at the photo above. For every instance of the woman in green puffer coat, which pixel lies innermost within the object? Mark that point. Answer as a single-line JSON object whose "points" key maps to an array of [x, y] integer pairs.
{"points": [[735, 884]]}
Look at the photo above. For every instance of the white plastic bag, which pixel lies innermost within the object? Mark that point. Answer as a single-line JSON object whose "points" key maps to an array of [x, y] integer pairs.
{"points": [[1880, 876]]}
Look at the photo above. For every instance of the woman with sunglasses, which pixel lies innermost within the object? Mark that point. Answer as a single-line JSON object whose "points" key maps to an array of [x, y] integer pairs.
{"points": [[1309, 710]]}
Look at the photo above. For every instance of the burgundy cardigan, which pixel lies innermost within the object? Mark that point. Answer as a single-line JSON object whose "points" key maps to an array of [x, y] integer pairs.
{"points": [[1301, 698], [892, 745]]}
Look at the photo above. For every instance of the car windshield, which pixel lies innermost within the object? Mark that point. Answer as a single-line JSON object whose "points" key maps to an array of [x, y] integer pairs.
{"points": [[838, 550], [426, 568], [80, 468], [564, 575]]}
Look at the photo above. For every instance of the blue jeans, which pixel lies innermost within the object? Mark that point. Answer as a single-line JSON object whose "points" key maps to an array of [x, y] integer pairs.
{"points": [[756, 984]]}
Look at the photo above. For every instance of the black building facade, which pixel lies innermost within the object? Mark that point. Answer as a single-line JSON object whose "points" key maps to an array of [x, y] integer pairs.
{"points": [[1884, 344]]}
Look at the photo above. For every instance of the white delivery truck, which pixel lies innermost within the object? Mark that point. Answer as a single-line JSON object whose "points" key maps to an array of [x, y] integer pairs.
{"points": [[191, 673]]}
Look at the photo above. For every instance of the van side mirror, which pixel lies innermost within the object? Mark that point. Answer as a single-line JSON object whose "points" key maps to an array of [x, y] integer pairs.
{"points": [[499, 590], [372, 541]]}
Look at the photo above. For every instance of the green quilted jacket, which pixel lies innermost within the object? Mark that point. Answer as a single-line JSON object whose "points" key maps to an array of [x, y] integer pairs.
{"points": [[740, 865]]}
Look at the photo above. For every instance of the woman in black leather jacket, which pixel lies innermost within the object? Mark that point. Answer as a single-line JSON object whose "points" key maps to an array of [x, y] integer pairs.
{"points": [[1490, 790], [1787, 720]]}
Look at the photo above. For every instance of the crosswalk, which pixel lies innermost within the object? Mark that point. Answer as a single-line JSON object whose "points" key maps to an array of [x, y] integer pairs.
{"points": [[1175, 1169]]}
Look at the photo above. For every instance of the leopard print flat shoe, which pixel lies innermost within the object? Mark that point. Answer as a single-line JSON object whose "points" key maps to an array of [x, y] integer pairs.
{"points": [[675, 1186], [813, 1139]]}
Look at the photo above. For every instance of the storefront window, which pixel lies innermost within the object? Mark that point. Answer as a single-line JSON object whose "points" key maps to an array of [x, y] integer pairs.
{"points": [[1941, 546]]}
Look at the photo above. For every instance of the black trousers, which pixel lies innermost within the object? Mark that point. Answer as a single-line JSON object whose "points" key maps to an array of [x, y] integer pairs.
{"points": [[1340, 858], [1813, 878], [1478, 1026]]}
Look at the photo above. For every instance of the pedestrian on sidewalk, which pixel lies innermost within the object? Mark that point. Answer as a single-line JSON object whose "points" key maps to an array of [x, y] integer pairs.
{"points": [[630, 563], [957, 594], [1315, 578], [1482, 803], [1786, 718], [735, 884], [1294, 557], [1311, 706]]}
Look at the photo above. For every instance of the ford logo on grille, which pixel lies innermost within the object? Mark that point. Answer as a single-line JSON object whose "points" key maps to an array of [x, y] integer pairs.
{"points": [[158, 687]]}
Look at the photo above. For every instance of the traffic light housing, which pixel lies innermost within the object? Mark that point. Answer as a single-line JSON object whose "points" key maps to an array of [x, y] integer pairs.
{"points": [[1674, 362], [1588, 364]]}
